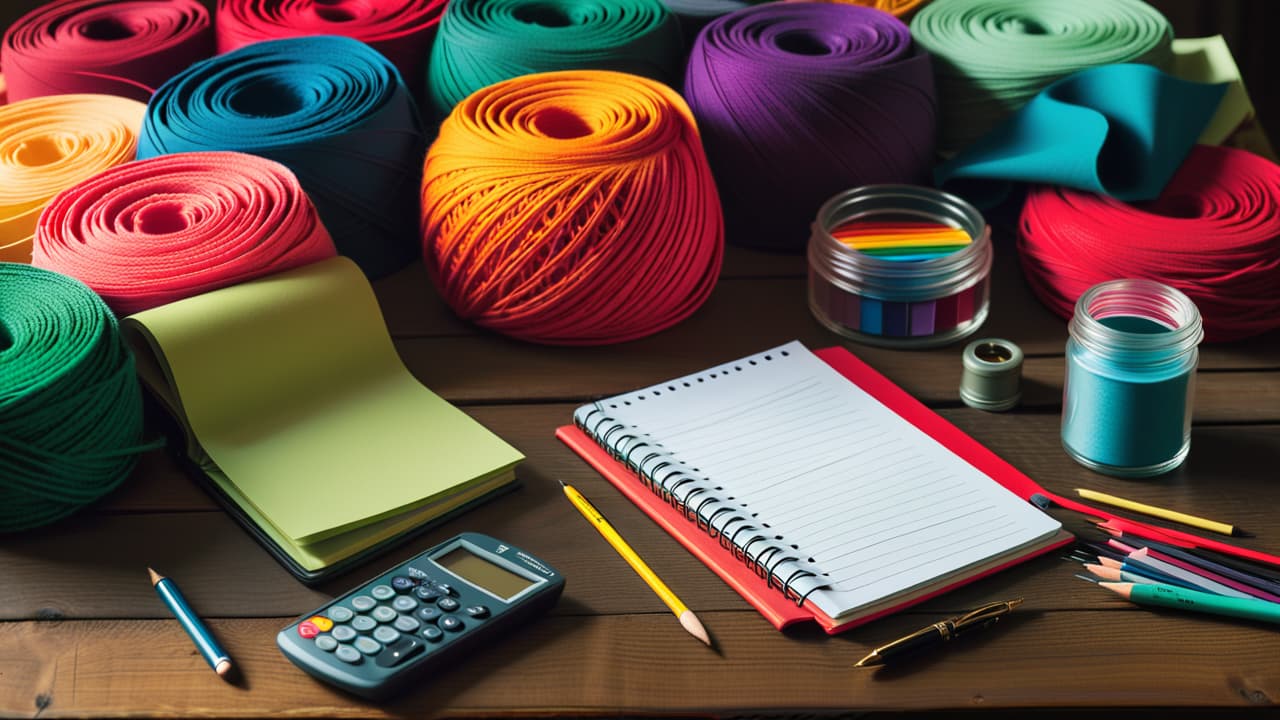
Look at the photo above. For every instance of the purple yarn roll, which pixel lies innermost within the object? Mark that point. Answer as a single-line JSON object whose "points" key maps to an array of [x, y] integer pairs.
{"points": [[799, 101]]}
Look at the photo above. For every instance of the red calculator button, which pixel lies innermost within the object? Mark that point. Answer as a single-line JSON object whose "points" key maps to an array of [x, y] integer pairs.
{"points": [[308, 629]]}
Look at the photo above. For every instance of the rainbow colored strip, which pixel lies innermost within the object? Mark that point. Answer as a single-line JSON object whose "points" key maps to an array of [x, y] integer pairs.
{"points": [[902, 241]]}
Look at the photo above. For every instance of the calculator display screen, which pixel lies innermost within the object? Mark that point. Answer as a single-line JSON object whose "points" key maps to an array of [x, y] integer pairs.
{"points": [[483, 574]]}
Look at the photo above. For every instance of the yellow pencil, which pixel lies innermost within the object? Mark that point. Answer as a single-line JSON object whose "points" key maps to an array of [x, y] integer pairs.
{"points": [[1171, 515], [682, 611]]}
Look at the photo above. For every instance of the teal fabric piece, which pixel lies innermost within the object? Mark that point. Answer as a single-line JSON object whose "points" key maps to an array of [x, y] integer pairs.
{"points": [[1119, 130]]}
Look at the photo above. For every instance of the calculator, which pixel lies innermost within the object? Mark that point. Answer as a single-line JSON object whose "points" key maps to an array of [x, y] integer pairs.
{"points": [[460, 596]]}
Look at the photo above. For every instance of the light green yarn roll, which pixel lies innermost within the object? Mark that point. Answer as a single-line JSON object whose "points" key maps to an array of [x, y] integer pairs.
{"points": [[482, 42], [70, 405], [992, 56]]}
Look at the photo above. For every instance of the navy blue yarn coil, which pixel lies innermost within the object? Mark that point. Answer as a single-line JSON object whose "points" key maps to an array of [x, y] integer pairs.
{"points": [[331, 109]]}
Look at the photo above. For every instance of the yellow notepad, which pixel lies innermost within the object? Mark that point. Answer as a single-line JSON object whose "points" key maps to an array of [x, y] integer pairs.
{"points": [[295, 404]]}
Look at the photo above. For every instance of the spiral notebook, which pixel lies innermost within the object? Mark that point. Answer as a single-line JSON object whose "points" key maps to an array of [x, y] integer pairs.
{"points": [[815, 487]]}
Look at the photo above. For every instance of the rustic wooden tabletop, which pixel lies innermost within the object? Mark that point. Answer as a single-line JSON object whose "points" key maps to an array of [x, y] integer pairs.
{"points": [[83, 634]]}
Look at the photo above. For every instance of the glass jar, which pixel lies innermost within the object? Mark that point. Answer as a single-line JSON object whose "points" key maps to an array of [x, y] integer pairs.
{"points": [[877, 301], [1131, 362]]}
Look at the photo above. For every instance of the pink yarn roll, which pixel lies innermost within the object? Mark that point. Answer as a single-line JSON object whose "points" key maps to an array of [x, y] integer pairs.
{"points": [[153, 231], [98, 46]]}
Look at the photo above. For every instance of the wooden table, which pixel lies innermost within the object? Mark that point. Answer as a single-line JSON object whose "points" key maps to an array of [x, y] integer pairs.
{"points": [[82, 632]]}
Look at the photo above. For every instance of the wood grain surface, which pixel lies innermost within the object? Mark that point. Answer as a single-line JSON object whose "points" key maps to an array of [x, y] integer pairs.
{"points": [[83, 634]]}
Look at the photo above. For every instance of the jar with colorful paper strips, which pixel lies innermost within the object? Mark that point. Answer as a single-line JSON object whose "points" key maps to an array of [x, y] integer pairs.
{"points": [[900, 266]]}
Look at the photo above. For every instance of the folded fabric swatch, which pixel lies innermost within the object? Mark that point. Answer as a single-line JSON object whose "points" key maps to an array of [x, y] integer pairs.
{"points": [[70, 407], [402, 30], [154, 231], [571, 208], [332, 110], [1209, 60], [50, 143], [1121, 130], [100, 46], [992, 56], [799, 101], [484, 41], [1214, 234]]}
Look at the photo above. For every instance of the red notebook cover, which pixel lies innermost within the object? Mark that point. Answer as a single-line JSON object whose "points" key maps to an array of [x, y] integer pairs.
{"points": [[770, 601]]}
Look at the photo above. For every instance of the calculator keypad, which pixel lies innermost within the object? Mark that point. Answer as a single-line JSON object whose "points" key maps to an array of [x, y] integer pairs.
{"points": [[392, 623]]}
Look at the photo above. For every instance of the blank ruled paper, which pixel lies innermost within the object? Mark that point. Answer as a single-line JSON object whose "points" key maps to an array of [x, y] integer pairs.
{"points": [[783, 450]]}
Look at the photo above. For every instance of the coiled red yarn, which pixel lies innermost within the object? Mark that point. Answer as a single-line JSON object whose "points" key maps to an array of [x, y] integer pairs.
{"points": [[1214, 234], [154, 231], [571, 208]]}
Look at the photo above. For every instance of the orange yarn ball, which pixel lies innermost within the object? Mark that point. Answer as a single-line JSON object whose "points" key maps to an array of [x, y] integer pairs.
{"points": [[571, 208]]}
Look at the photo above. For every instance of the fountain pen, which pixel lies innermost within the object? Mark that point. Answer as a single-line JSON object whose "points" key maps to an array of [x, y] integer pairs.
{"points": [[940, 632]]}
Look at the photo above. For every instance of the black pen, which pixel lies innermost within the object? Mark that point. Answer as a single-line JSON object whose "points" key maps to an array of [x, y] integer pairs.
{"points": [[940, 632]]}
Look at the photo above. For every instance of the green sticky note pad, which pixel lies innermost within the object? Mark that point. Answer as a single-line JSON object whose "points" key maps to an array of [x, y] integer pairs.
{"points": [[295, 402]]}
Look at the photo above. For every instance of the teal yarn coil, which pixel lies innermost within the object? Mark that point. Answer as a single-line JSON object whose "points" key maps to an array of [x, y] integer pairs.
{"points": [[331, 109], [70, 404], [482, 42], [991, 57]]}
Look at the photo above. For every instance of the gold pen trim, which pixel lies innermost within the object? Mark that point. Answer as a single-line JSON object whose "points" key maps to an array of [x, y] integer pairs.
{"points": [[946, 630]]}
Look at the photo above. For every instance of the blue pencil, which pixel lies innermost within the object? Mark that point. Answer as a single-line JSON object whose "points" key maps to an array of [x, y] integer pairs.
{"points": [[200, 635]]}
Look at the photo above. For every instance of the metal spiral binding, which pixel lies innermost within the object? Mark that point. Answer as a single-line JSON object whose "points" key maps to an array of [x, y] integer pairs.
{"points": [[605, 431]]}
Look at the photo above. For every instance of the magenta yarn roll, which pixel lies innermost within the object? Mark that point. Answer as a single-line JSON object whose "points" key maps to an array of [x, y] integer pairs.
{"points": [[799, 101]]}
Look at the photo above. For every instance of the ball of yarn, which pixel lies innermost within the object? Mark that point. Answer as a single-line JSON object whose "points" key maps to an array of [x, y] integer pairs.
{"points": [[402, 30], [100, 46], [154, 231], [50, 143], [484, 41], [992, 56], [332, 110], [70, 406], [571, 208], [1214, 234], [797, 102]]}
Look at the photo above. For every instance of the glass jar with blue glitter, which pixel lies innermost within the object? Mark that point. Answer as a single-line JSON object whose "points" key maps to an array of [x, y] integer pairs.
{"points": [[1131, 363]]}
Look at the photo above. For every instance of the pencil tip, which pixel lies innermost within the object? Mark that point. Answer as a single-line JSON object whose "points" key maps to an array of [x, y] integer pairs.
{"points": [[155, 576], [562, 483], [694, 626]]}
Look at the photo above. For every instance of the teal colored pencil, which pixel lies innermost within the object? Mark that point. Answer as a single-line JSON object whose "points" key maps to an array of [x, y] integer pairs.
{"points": [[1196, 601]]}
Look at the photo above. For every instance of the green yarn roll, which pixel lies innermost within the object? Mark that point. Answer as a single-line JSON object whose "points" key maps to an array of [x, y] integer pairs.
{"points": [[481, 42], [992, 56], [70, 405]]}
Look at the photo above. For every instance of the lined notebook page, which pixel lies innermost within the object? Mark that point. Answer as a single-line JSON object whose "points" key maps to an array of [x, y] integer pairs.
{"points": [[830, 489]]}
